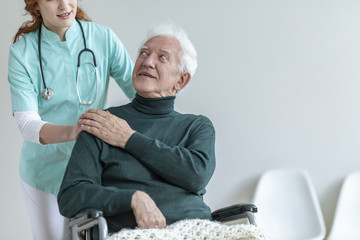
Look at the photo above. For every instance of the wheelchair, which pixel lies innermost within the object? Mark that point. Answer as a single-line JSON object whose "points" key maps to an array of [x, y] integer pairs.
{"points": [[82, 224]]}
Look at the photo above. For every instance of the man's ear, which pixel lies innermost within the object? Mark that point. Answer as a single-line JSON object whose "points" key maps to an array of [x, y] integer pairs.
{"points": [[183, 81]]}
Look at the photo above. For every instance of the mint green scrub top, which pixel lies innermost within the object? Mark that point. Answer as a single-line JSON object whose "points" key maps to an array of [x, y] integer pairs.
{"points": [[43, 166]]}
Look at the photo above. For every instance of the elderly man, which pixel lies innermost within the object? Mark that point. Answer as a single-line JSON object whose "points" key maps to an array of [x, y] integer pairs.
{"points": [[144, 164]]}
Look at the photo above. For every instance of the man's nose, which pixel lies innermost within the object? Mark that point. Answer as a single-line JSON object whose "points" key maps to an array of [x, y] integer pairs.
{"points": [[149, 61]]}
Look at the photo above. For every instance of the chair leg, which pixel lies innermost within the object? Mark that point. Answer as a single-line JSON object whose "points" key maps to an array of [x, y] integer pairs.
{"points": [[88, 234], [103, 229], [251, 218]]}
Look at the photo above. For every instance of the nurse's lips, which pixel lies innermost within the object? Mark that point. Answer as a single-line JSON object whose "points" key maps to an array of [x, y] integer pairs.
{"points": [[64, 15]]}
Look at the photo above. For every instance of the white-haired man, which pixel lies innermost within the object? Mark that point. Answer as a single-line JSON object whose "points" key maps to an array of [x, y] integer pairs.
{"points": [[152, 165]]}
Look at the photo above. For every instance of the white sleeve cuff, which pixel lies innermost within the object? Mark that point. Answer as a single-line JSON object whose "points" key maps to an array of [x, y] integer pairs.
{"points": [[29, 124]]}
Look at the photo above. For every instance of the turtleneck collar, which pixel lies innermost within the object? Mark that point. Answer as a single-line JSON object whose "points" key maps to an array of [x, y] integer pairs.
{"points": [[154, 106]]}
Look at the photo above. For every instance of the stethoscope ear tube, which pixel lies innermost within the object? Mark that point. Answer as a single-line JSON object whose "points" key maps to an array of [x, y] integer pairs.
{"points": [[78, 92]]}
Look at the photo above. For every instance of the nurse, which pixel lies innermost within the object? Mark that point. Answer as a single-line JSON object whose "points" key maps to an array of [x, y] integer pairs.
{"points": [[51, 86]]}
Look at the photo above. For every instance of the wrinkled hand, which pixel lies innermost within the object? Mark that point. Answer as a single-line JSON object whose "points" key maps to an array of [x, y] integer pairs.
{"points": [[106, 126], [146, 213]]}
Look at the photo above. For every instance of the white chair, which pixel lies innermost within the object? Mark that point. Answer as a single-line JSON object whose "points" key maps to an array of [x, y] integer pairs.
{"points": [[346, 224], [288, 206]]}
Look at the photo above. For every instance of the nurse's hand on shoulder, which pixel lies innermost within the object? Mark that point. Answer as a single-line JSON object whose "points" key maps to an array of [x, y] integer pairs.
{"points": [[106, 126], [76, 130]]}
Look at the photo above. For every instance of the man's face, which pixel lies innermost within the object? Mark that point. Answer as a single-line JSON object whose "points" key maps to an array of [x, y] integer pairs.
{"points": [[156, 72]]}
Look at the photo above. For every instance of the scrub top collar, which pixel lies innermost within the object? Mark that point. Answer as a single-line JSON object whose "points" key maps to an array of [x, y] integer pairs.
{"points": [[50, 36]]}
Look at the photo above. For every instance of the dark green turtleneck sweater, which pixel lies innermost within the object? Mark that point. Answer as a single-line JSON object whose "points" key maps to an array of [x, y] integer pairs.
{"points": [[170, 157]]}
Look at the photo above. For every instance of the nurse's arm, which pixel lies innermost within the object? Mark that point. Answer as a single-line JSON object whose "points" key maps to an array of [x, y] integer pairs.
{"points": [[51, 133], [34, 129]]}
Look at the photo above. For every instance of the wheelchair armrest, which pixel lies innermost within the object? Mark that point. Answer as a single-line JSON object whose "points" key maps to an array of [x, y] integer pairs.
{"points": [[237, 211], [85, 220]]}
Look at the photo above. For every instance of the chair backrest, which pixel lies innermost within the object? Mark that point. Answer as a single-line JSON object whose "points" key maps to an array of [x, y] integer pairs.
{"points": [[288, 206], [346, 224]]}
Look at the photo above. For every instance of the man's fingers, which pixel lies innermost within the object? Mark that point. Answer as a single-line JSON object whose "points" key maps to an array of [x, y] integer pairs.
{"points": [[96, 132], [152, 219], [102, 113], [147, 214], [92, 116], [89, 122], [152, 222], [90, 129], [162, 222], [96, 120]]}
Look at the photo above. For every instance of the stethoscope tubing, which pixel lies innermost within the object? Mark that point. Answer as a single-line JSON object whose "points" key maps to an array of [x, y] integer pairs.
{"points": [[48, 93]]}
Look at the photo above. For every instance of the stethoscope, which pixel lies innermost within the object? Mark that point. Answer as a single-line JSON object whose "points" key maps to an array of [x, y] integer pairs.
{"points": [[48, 93]]}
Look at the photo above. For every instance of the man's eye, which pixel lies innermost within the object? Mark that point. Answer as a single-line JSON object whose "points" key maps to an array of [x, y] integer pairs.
{"points": [[142, 53], [163, 57]]}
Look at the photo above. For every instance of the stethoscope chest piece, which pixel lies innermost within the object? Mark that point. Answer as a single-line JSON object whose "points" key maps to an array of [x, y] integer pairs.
{"points": [[47, 93]]}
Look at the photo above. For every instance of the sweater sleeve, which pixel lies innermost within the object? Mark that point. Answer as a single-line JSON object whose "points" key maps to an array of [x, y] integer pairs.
{"points": [[189, 167], [82, 188]]}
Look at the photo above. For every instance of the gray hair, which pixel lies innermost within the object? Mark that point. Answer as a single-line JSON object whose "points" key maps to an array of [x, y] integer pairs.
{"points": [[188, 62]]}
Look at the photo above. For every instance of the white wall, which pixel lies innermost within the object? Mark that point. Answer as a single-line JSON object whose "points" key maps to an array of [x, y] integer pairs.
{"points": [[279, 79]]}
